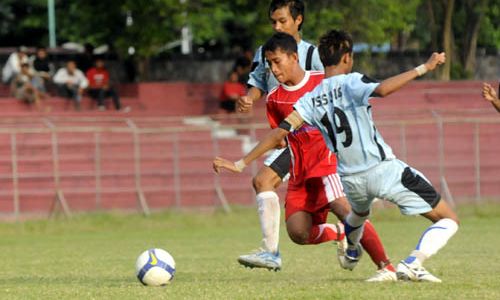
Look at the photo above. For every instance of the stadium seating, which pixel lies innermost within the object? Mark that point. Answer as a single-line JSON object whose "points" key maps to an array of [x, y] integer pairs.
{"points": [[175, 164]]}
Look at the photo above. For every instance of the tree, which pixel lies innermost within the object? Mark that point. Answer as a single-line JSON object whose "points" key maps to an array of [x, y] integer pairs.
{"points": [[477, 10], [458, 27]]}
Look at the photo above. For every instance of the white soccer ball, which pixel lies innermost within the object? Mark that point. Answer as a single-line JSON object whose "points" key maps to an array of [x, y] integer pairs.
{"points": [[155, 267]]}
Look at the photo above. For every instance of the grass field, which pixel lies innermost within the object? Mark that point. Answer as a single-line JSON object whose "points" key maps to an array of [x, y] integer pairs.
{"points": [[93, 257]]}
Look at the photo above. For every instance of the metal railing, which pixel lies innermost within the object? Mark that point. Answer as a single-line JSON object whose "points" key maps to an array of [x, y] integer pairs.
{"points": [[138, 136]]}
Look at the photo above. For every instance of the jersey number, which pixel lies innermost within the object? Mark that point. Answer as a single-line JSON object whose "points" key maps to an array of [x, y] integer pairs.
{"points": [[343, 127]]}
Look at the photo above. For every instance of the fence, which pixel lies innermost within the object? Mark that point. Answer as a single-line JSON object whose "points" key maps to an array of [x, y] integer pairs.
{"points": [[91, 164]]}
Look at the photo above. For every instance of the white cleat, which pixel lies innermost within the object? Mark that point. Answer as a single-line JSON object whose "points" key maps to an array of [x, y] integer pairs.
{"points": [[383, 275], [261, 259], [347, 261], [414, 272]]}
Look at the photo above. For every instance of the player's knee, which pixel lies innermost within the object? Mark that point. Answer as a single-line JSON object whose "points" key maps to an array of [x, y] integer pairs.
{"points": [[262, 183], [298, 236]]}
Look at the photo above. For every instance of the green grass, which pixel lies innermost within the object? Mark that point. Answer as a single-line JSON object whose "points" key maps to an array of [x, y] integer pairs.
{"points": [[93, 257]]}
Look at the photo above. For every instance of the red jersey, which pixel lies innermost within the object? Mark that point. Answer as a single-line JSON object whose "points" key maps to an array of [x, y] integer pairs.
{"points": [[310, 155], [98, 78], [232, 90]]}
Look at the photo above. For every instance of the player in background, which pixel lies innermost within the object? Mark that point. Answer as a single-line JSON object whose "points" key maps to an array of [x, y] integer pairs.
{"points": [[490, 95], [286, 16], [339, 107], [314, 187]]}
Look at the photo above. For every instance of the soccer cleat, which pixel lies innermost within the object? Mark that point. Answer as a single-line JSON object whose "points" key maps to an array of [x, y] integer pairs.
{"points": [[348, 259], [414, 272], [383, 275], [261, 259]]}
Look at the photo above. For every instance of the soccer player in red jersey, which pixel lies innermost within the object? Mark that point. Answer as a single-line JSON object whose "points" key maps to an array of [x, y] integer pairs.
{"points": [[314, 187]]}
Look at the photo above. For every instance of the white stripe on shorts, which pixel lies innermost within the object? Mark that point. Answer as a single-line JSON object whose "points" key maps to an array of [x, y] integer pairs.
{"points": [[333, 187]]}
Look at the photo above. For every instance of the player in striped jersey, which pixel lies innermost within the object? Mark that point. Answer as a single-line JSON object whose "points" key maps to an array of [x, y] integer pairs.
{"points": [[339, 107], [314, 187], [286, 16]]}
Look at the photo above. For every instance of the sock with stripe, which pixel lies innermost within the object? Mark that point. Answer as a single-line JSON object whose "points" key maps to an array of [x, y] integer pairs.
{"points": [[354, 225], [326, 232], [432, 240]]}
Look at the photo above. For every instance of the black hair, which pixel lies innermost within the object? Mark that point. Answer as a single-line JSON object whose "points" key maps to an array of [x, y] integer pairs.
{"points": [[281, 40], [296, 7], [333, 45]]}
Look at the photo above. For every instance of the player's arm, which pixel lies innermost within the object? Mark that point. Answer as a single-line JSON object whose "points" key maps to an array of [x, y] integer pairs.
{"points": [[394, 83], [490, 95], [245, 103], [272, 140]]}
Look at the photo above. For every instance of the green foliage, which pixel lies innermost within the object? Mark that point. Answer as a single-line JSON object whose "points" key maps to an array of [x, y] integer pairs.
{"points": [[238, 23], [489, 35]]}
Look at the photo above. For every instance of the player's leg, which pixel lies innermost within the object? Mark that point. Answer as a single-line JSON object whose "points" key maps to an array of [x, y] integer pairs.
{"points": [[304, 230], [306, 212], [370, 239], [265, 182], [415, 195], [434, 238], [356, 191]]}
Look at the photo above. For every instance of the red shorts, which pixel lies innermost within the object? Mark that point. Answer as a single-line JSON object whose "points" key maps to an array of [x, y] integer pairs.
{"points": [[313, 196]]}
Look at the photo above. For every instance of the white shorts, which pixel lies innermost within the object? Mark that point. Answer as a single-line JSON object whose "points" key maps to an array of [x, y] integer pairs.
{"points": [[395, 181]]}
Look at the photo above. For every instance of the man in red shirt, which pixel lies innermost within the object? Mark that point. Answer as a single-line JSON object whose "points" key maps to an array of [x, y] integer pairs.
{"points": [[99, 87], [231, 91], [314, 188]]}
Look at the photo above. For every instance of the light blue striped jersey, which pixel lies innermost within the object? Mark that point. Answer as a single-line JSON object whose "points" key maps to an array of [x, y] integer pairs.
{"points": [[261, 77], [339, 107]]}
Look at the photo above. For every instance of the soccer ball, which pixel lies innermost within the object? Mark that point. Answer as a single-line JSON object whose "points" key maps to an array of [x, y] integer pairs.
{"points": [[155, 267]]}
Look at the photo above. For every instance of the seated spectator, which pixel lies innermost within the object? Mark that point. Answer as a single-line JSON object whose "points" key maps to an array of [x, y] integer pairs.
{"points": [[25, 86], [231, 91], [99, 87], [71, 82], [13, 65], [42, 66]]}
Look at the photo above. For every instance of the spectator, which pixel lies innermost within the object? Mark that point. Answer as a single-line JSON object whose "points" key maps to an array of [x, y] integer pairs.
{"points": [[243, 66], [99, 88], [24, 86], [71, 82], [491, 96], [231, 91], [42, 66], [13, 65]]}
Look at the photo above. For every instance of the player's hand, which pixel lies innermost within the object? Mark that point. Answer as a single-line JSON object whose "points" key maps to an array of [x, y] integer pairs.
{"points": [[244, 104], [489, 93], [282, 144], [220, 163], [435, 60]]}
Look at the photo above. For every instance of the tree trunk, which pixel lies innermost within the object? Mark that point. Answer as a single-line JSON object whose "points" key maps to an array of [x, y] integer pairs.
{"points": [[474, 18], [447, 39], [143, 68], [432, 25]]}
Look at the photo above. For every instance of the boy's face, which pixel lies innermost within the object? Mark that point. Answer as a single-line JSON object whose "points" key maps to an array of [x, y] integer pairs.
{"points": [[282, 64], [41, 53], [71, 66], [283, 21], [25, 69]]}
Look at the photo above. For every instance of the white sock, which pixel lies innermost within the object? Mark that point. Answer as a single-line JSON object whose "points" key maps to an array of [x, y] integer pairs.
{"points": [[354, 226], [433, 239], [269, 215]]}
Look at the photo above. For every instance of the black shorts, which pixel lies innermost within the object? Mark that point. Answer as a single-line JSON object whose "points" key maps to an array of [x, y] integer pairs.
{"points": [[228, 105], [281, 163]]}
